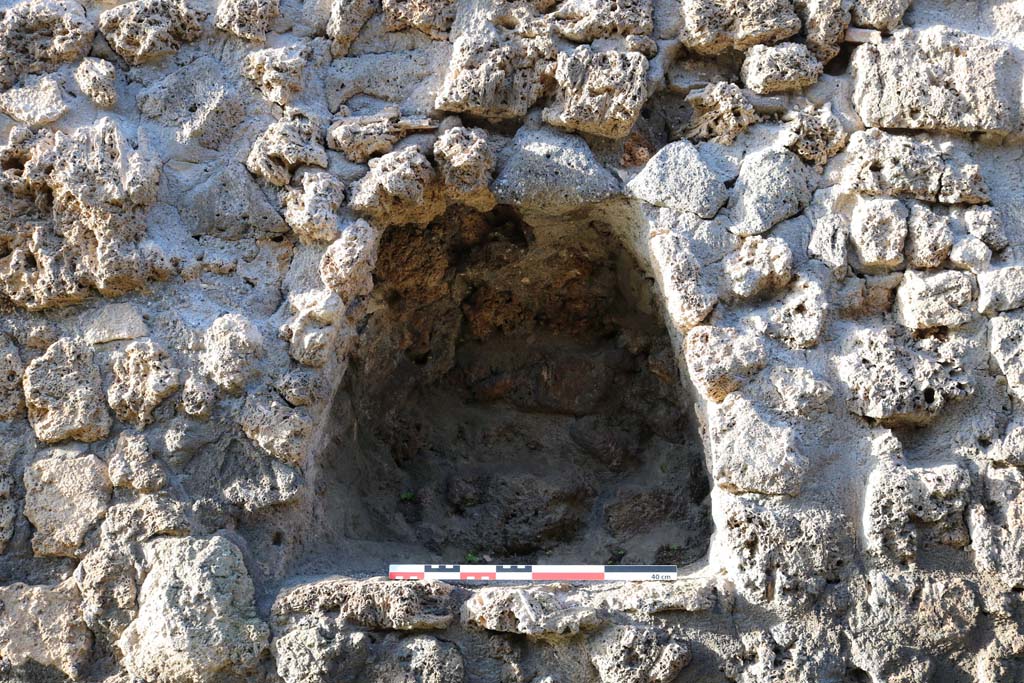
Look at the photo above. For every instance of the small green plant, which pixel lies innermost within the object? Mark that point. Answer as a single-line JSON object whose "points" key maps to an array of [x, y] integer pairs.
{"points": [[407, 497], [472, 558]]}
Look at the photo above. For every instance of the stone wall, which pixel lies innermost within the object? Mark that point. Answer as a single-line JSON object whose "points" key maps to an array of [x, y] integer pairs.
{"points": [[200, 202]]}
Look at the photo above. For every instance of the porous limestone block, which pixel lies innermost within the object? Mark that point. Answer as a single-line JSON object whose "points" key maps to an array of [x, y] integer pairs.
{"points": [[145, 30], [925, 300], [1006, 344], [883, 164], [638, 654], [971, 254], [361, 137], [36, 36], [901, 502], [64, 394], [583, 21], [676, 177], [197, 617], [277, 72], [1001, 289], [346, 19], [42, 624], [800, 318], [896, 84], [248, 19], [898, 380], [417, 658], [986, 223], [66, 496], [280, 430], [143, 378], [816, 135], [550, 172], [347, 265], [878, 230], [824, 23], [884, 15], [720, 360], [760, 266], [320, 653], [754, 451], [97, 78], [540, 611], [131, 465], [779, 68], [929, 237], [498, 67], [377, 604], [107, 579], [721, 111], [315, 327], [231, 346], [713, 26], [689, 299], [37, 102], [401, 187], [292, 140], [781, 555], [465, 163], [312, 211], [773, 185], [599, 93]]}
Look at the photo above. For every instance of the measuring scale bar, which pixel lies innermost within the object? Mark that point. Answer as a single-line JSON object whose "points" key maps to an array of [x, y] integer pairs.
{"points": [[533, 572]]}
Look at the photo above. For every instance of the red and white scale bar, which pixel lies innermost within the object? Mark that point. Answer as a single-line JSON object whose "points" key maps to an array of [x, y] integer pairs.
{"points": [[535, 572]]}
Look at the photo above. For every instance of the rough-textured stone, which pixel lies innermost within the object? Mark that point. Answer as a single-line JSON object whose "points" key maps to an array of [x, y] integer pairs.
{"points": [[37, 36], [65, 497], [143, 378], [720, 112], [63, 392], [600, 93], [712, 26], [778, 68], [41, 624], [144, 30], [196, 617], [897, 86], [773, 185], [678, 178]]}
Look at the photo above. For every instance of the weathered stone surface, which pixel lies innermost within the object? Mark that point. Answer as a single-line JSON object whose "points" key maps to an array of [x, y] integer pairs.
{"points": [[144, 30], [926, 300], [638, 655], [712, 26], [465, 163], [760, 266], [678, 178], [196, 618], [375, 604], [551, 172], [41, 624], [540, 612], [720, 360], [143, 378], [65, 497], [231, 346], [401, 187], [778, 68], [63, 392], [598, 92], [772, 186], [720, 112], [36, 36], [896, 86], [249, 19], [312, 212]]}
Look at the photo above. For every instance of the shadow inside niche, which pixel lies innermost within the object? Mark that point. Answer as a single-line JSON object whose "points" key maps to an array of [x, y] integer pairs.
{"points": [[513, 398]]}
